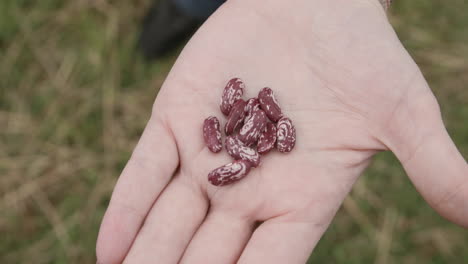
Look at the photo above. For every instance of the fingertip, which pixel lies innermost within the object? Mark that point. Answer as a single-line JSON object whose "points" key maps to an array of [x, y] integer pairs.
{"points": [[116, 235], [454, 204]]}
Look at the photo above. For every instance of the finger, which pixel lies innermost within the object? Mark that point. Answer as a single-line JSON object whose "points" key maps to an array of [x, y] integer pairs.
{"points": [[220, 239], [279, 241], [170, 225], [289, 236], [148, 171], [434, 164]]}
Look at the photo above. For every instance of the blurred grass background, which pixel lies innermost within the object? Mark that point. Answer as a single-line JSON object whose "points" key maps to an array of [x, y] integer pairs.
{"points": [[74, 98]]}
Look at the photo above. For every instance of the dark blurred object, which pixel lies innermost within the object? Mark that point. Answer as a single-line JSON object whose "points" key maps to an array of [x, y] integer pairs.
{"points": [[164, 28]]}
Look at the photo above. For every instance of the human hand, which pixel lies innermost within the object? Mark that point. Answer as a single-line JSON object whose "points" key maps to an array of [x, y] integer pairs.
{"points": [[351, 90]]}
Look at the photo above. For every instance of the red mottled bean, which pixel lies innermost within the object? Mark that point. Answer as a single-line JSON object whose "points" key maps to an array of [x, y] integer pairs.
{"points": [[269, 104], [233, 91], [254, 125], [286, 135], [238, 150], [212, 134], [236, 117], [229, 173], [267, 139], [252, 103]]}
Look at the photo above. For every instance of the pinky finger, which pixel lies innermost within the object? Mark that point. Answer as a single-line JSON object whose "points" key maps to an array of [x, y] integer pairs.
{"points": [[146, 174]]}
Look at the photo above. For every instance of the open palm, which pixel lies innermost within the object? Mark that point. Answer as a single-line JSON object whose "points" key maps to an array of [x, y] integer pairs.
{"points": [[351, 90]]}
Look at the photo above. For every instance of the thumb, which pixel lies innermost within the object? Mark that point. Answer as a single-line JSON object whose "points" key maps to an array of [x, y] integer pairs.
{"points": [[431, 159]]}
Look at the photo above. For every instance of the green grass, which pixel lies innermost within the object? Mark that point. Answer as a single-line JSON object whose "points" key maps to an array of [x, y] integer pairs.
{"points": [[74, 98]]}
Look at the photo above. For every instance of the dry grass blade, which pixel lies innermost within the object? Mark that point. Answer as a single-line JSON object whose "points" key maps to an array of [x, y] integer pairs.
{"points": [[385, 237], [352, 208], [53, 217]]}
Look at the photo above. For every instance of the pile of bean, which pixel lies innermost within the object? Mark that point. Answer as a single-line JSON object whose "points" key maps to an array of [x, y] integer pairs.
{"points": [[253, 128]]}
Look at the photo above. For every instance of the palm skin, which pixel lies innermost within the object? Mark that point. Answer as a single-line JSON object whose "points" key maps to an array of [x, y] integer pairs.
{"points": [[351, 90]]}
